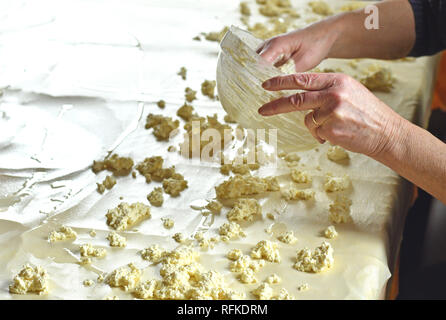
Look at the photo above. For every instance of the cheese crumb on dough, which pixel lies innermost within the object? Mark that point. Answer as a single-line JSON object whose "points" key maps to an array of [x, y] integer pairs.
{"points": [[321, 8], [126, 277], [120, 166], [297, 194], [31, 279], [244, 210], [173, 186], [161, 104], [182, 73], [88, 251], [64, 233], [108, 183], [168, 223], [125, 215], [153, 254], [184, 278], [273, 279], [299, 176], [317, 261], [239, 186], [263, 292], [288, 237], [185, 111], [231, 230], [88, 283], [330, 232], [284, 295], [214, 206], [179, 237], [266, 250], [234, 254], [336, 153], [116, 240], [245, 262], [244, 9], [190, 94], [334, 184], [378, 78], [340, 210], [162, 126], [216, 36], [208, 87], [152, 169], [303, 287], [155, 197]]}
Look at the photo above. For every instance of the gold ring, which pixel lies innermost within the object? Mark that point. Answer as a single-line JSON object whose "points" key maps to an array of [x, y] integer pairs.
{"points": [[314, 120]]}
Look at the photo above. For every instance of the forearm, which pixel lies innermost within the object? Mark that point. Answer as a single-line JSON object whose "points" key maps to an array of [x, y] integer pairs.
{"points": [[393, 39], [419, 157]]}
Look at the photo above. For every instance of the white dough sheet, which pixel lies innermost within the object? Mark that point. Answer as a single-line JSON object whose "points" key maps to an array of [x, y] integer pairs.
{"points": [[78, 80]]}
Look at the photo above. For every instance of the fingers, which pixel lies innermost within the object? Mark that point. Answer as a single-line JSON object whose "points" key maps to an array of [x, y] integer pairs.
{"points": [[269, 52], [304, 81], [295, 102]]}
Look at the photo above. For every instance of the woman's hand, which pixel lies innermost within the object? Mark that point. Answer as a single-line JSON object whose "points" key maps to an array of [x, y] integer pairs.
{"points": [[343, 112], [307, 47]]}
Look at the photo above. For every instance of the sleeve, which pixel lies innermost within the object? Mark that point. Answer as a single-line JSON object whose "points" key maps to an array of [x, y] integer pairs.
{"points": [[430, 27]]}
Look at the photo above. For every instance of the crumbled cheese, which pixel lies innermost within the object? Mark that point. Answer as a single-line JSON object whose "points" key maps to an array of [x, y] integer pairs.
{"points": [[184, 278], [88, 283], [245, 262], [297, 194], [208, 87], [270, 216], [179, 237], [30, 279], [112, 298], [321, 8], [292, 157], [155, 197], [182, 73], [108, 183], [288, 237], [267, 250], [161, 104], [64, 233], [116, 240], [244, 210], [317, 261], [303, 287], [336, 153], [231, 230], [247, 276], [171, 149], [190, 94], [244, 9], [92, 233], [120, 166], [214, 206], [334, 184], [234, 254], [284, 295], [378, 78], [340, 210], [185, 112], [153, 254], [273, 279], [88, 251], [299, 176], [216, 36], [330, 232], [240, 186], [168, 223], [162, 126], [263, 292], [152, 169], [126, 277], [173, 186], [125, 215]]}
